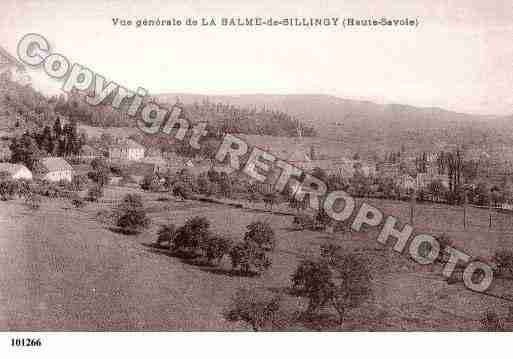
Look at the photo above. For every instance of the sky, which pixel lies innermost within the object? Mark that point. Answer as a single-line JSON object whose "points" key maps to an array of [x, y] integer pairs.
{"points": [[460, 57]]}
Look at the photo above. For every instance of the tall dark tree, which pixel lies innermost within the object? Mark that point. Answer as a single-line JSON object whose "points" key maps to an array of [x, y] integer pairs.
{"points": [[57, 128]]}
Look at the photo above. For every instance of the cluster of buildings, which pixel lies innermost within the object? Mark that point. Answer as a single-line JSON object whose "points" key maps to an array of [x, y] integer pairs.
{"points": [[408, 178], [52, 169]]}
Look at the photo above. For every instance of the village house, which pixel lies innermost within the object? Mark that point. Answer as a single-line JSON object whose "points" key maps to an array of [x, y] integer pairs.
{"points": [[16, 170], [54, 169], [126, 150]]}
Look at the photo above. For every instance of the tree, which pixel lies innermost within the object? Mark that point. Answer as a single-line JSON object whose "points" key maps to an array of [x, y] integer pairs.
{"points": [[57, 128], [249, 257], [214, 248], [191, 235], [94, 193], [181, 190], [167, 234], [25, 150], [257, 308], [47, 143], [151, 182], [262, 234], [339, 280], [313, 279], [100, 172], [131, 214], [8, 188], [303, 221]]}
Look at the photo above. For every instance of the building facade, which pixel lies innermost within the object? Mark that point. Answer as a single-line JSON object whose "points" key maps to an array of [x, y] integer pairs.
{"points": [[54, 169], [126, 150]]}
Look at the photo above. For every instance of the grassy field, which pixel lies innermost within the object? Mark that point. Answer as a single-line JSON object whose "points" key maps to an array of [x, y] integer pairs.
{"points": [[179, 295]]}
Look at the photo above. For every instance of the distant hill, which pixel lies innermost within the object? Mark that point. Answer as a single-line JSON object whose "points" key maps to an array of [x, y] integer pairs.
{"points": [[366, 126]]}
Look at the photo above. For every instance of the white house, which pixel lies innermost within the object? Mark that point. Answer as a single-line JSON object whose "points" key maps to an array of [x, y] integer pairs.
{"points": [[126, 150], [54, 169], [16, 171]]}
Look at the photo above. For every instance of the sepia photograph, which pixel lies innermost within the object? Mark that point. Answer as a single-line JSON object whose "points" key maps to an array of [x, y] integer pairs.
{"points": [[228, 166]]}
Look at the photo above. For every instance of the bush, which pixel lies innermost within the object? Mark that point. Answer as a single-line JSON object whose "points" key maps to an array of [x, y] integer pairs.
{"points": [[256, 308], [205, 186], [167, 234], [303, 221], [151, 182], [191, 235], [94, 194], [133, 221], [8, 189], [131, 215], [262, 234], [182, 190], [215, 248], [249, 257]]}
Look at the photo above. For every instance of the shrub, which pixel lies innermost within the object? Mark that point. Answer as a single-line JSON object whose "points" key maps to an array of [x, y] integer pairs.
{"points": [[303, 221], [262, 234], [94, 193], [249, 257], [215, 248], [205, 186], [132, 221], [182, 190], [8, 189], [192, 234], [167, 234], [151, 182], [131, 215], [256, 308], [100, 172]]}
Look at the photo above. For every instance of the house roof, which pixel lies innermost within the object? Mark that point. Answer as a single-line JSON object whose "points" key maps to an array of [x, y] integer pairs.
{"points": [[12, 168], [127, 143], [55, 164]]}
